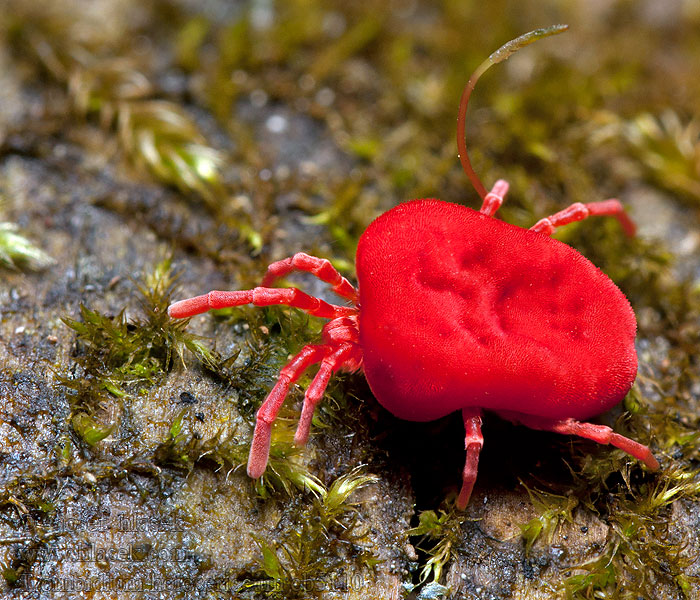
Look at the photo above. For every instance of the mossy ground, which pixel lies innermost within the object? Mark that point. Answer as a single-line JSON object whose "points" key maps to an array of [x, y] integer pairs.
{"points": [[239, 134]]}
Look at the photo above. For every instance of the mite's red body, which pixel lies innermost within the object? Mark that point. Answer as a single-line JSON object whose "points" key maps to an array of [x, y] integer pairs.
{"points": [[501, 318], [457, 310]]}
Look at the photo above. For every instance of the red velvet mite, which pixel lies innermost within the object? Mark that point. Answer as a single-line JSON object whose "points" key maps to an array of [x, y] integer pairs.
{"points": [[456, 310]]}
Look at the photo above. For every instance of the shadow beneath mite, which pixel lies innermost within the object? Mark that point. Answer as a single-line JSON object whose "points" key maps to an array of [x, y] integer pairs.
{"points": [[433, 454]]}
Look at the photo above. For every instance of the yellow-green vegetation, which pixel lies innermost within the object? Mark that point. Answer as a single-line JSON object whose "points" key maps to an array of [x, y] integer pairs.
{"points": [[553, 510], [29, 499], [116, 351], [17, 252], [665, 148], [316, 542], [156, 134], [120, 357], [287, 472], [403, 143], [642, 549], [443, 529]]}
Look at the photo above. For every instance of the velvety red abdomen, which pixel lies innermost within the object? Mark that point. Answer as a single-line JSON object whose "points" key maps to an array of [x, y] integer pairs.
{"points": [[459, 309]]}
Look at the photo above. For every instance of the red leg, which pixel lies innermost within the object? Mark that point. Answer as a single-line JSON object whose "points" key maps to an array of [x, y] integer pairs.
{"points": [[260, 447], [473, 442], [315, 391], [578, 212], [259, 296], [320, 267], [494, 199], [598, 433]]}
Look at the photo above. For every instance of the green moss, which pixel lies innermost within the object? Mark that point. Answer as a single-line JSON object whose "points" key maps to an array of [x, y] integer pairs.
{"points": [[642, 551], [666, 146], [441, 535], [287, 473], [10, 575], [88, 429], [553, 511], [119, 357], [116, 352], [317, 542], [17, 252], [189, 40], [155, 134], [27, 505], [273, 334]]}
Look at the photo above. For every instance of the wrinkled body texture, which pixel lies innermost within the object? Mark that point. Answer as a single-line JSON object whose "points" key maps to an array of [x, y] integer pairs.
{"points": [[460, 309]]}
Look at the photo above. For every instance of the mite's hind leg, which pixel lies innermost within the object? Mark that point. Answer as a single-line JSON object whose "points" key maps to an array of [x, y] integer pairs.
{"points": [[578, 212], [473, 442], [598, 433], [494, 199]]}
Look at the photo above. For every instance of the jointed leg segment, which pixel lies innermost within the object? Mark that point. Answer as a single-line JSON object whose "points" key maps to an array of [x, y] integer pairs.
{"points": [[314, 393], [320, 267], [339, 350], [473, 442], [331, 358], [579, 211], [598, 433], [260, 448], [260, 296], [494, 199]]}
